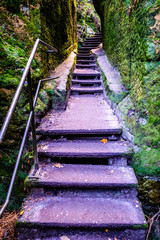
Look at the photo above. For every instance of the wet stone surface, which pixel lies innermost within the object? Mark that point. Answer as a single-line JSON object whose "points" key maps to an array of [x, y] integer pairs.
{"points": [[80, 200]]}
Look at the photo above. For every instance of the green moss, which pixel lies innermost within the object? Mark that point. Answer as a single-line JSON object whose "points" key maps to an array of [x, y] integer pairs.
{"points": [[131, 41], [147, 161], [61, 34]]}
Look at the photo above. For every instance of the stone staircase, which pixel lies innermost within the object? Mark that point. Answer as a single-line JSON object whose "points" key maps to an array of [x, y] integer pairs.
{"points": [[85, 188]]}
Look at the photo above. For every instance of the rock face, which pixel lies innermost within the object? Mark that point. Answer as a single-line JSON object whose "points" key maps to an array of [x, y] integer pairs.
{"points": [[58, 23], [91, 192], [133, 47]]}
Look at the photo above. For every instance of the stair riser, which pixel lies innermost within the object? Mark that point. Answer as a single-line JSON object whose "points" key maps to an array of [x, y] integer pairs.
{"points": [[81, 66], [81, 234], [83, 57], [84, 159], [79, 84], [86, 61], [84, 51], [85, 48], [82, 135], [85, 76], [93, 41], [114, 192], [94, 38], [74, 92], [92, 46]]}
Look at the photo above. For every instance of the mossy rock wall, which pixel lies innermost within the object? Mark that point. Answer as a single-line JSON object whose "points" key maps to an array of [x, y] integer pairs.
{"points": [[58, 24], [131, 40], [19, 29]]}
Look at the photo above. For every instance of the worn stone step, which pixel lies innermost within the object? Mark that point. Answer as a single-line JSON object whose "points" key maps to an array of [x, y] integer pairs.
{"points": [[86, 81], [86, 61], [86, 90], [92, 41], [82, 176], [86, 114], [92, 66], [80, 234], [83, 51], [84, 149], [94, 37], [85, 73], [85, 48], [90, 44], [69, 212], [88, 57]]}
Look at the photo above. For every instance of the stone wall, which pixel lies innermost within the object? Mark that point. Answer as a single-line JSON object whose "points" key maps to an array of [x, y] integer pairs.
{"points": [[131, 40], [58, 27]]}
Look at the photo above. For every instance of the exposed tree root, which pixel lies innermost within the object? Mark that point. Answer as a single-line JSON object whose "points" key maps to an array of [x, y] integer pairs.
{"points": [[150, 222]]}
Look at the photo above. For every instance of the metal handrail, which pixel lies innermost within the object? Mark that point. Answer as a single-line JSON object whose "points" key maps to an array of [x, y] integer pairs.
{"points": [[31, 119]]}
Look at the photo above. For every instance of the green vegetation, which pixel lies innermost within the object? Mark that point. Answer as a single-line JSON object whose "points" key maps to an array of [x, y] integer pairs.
{"points": [[132, 42], [61, 34], [21, 23], [87, 19]]}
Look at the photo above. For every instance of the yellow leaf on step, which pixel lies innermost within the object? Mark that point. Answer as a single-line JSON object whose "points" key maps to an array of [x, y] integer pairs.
{"points": [[44, 147], [21, 213], [58, 165], [104, 140], [106, 230]]}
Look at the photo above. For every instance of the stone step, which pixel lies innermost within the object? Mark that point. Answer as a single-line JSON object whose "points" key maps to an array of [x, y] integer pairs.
{"points": [[85, 149], [80, 234], [82, 116], [84, 53], [86, 90], [91, 42], [86, 57], [86, 61], [86, 81], [94, 38], [85, 73], [92, 66], [85, 48], [82, 176], [76, 212]]}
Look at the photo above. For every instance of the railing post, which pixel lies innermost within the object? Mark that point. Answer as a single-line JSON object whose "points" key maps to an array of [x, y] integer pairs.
{"points": [[33, 125]]}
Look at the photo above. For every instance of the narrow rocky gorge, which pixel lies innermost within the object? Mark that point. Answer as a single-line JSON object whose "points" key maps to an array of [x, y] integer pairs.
{"points": [[85, 187]]}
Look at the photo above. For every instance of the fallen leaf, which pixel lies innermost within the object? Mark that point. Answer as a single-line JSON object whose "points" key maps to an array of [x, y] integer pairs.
{"points": [[104, 140], [115, 238], [123, 170], [137, 206], [106, 230], [21, 213], [58, 165], [44, 147]]}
